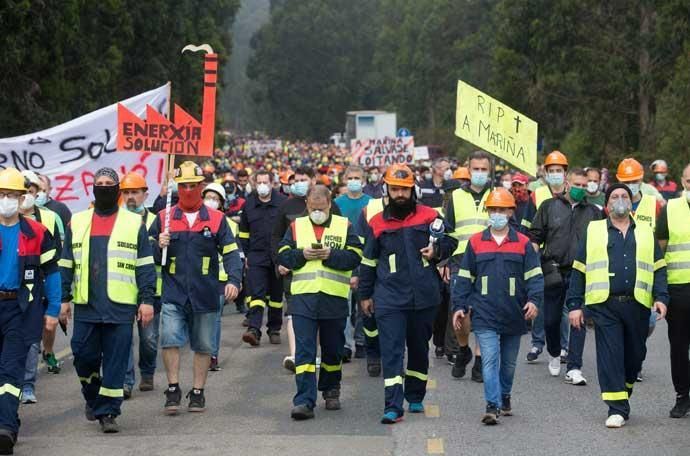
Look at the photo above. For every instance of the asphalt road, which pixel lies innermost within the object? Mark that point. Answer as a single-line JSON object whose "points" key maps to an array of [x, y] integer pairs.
{"points": [[249, 402]]}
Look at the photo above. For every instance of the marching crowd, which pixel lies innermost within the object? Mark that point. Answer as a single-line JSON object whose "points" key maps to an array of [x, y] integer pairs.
{"points": [[351, 262]]}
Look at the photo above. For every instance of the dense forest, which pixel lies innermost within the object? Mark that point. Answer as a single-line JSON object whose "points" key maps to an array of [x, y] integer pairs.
{"points": [[603, 79]]}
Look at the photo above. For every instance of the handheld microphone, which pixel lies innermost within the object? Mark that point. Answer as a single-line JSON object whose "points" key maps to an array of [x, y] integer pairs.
{"points": [[436, 231]]}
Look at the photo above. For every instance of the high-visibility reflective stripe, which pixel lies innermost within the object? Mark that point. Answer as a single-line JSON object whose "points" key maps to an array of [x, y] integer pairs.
{"points": [[205, 262], [511, 286], [121, 277], [144, 261], [367, 262], [597, 286], [595, 265], [679, 247], [47, 256], [371, 334], [645, 266], [89, 378], [275, 304], [580, 266], [362, 240], [69, 264], [229, 248], [10, 389], [418, 375], [127, 255], [533, 272], [322, 274], [305, 368], [485, 285], [391, 263], [675, 265], [398, 380], [243, 235], [109, 392], [76, 255], [618, 396], [660, 264], [629, 385], [645, 286], [357, 250], [257, 303], [526, 223], [466, 274], [283, 248], [331, 367]]}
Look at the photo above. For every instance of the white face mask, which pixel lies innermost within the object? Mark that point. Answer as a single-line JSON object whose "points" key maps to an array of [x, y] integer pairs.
{"points": [[213, 204], [507, 185], [263, 189], [8, 207], [448, 174], [29, 201], [592, 187], [318, 217]]}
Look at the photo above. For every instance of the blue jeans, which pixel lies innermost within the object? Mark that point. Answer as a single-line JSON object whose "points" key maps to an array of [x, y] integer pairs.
{"points": [[148, 350], [216, 346], [499, 354], [32, 365], [180, 324]]}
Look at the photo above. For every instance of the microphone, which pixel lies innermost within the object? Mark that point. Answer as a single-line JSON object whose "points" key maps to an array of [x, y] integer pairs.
{"points": [[436, 231]]}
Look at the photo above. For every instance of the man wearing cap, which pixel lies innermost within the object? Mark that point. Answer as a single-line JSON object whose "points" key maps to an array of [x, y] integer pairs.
{"points": [[502, 294], [28, 272], [619, 274], [192, 243], [399, 284], [645, 208], [134, 192], [661, 182], [524, 206], [108, 272]]}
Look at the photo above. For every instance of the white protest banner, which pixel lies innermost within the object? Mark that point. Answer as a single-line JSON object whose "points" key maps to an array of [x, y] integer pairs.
{"points": [[71, 153], [421, 153], [382, 152], [263, 146]]}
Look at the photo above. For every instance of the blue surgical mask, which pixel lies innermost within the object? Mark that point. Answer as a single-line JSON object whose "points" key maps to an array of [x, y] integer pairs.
{"points": [[498, 221], [556, 179], [136, 210], [354, 185], [479, 178], [634, 188], [300, 188], [41, 199]]}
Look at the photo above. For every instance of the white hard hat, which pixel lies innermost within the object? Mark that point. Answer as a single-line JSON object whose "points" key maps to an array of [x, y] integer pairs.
{"points": [[215, 188], [32, 177]]}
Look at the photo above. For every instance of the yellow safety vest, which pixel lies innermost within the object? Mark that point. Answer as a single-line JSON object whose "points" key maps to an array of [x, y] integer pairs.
{"points": [[150, 217], [646, 212], [596, 270], [122, 257], [470, 219], [678, 249], [222, 275], [48, 219], [542, 194], [314, 277]]}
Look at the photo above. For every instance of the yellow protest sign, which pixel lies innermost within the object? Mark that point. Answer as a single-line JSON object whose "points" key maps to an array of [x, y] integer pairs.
{"points": [[497, 128]]}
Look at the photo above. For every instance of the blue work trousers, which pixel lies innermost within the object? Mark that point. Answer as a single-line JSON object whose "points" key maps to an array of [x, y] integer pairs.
{"points": [[14, 347]]}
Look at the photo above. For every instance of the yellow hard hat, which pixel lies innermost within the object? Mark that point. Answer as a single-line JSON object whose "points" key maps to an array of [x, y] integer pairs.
{"points": [[188, 173], [12, 179]]}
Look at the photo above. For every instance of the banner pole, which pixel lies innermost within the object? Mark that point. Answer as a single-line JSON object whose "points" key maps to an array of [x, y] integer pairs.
{"points": [[171, 172]]}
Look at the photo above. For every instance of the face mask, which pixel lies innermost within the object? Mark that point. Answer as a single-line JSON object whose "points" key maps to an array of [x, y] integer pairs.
{"points": [[687, 195], [8, 207], [507, 185], [354, 186], [520, 194], [41, 199], [190, 200], [300, 188], [555, 179], [136, 210], [634, 188], [621, 208], [374, 178], [428, 176], [106, 196], [448, 174], [577, 194], [231, 197], [479, 178], [592, 187], [29, 201], [498, 221], [660, 177], [213, 204], [318, 217], [263, 189]]}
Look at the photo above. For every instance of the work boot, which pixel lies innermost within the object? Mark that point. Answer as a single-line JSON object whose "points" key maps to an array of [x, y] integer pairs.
{"points": [[274, 338], [127, 391], [214, 367], [173, 397], [477, 375], [197, 401], [54, 366], [347, 355], [374, 367], [332, 398], [289, 363], [146, 383], [461, 361], [681, 408], [491, 415], [301, 413], [506, 409], [252, 337], [88, 413], [108, 424], [7, 441]]}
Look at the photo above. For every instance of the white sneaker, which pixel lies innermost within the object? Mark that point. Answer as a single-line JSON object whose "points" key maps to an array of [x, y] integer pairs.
{"points": [[555, 366], [289, 363], [615, 421], [574, 377]]}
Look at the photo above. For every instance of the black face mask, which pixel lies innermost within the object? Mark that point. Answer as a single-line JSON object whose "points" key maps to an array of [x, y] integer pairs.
{"points": [[106, 197], [401, 208]]}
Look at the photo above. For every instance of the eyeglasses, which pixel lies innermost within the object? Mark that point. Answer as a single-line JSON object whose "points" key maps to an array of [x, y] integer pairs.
{"points": [[12, 195]]}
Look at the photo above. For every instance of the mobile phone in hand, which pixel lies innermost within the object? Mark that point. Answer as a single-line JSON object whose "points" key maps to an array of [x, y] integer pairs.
{"points": [[316, 245]]}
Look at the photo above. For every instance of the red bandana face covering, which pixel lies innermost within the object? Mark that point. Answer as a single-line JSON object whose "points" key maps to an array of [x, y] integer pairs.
{"points": [[520, 194], [190, 200]]}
